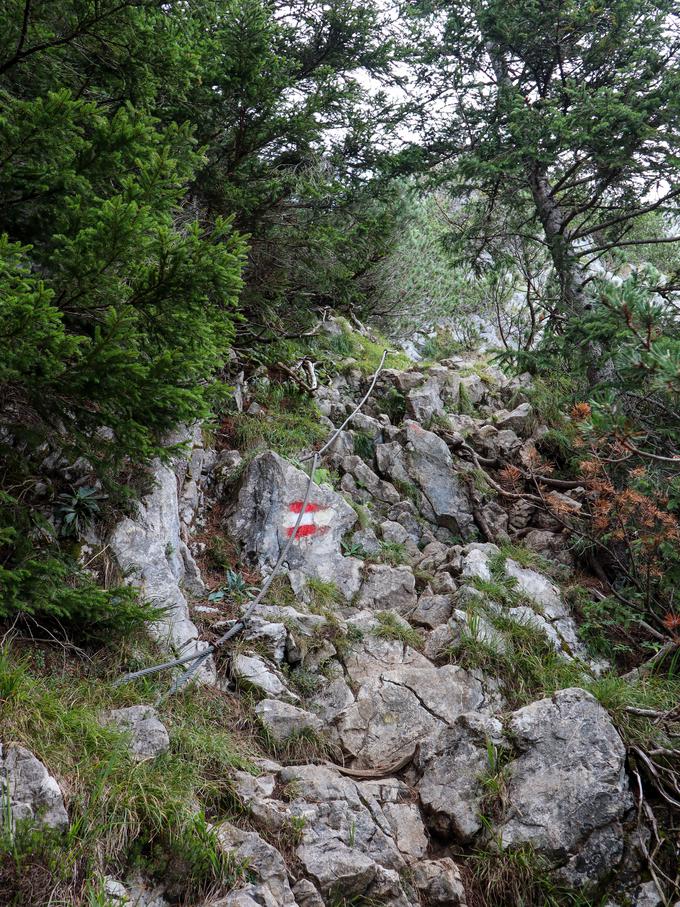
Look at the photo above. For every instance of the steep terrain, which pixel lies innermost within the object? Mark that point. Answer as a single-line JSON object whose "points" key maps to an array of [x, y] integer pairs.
{"points": [[409, 717]]}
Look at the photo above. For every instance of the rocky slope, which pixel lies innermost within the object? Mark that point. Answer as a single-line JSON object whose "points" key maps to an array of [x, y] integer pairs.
{"points": [[384, 669]]}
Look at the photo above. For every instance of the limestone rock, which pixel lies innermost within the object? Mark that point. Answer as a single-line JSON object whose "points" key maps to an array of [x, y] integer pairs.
{"points": [[33, 794], [368, 540], [431, 468], [148, 735], [567, 791], [401, 699], [386, 588], [476, 561], [268, 636], [452, 766], [269, 501], [518, 420], [342, 447], [283, 720], [431, 610], [306, 894], [366, 478], [424, 402], [152, 554], [256, 673], [347, 845], [474, 388], [265, 862], [439, 883], [422, 459], [394, 532], [402, 814], [334, 697]]}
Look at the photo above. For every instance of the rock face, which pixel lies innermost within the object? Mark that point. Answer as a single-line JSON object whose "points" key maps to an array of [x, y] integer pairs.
{"points": [[346, 844], [284, 720], [270, 887], [453, 765], [269, 501], [255, 673], [148, 735], [386, 588], [567, 790], [400, 698], [33, 794], [422, 459], [375, 680], [152, 554]]}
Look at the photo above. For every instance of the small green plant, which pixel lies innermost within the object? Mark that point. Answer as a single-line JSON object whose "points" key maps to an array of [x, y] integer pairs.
{"points": [[364, 445], [394, 405], [408, 490], [464, 405], [323, 594], [391, 626], [494, 782], [295, 828], [353, 549], [78, 510], [517, 877], [236, 588], [393, 553]]}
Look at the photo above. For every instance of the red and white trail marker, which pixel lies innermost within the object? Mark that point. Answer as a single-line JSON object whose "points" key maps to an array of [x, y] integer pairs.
{"points": [[315, 520]]}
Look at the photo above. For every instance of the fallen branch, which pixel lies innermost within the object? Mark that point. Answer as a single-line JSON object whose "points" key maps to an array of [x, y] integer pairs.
{"points": [[380, 771]]}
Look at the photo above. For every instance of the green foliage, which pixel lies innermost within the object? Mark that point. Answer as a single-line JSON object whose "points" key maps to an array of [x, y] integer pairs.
{"points": [[123, 812], [394, 404], [324, 595], [40, 579], [364, 446], [518, 877], [391, 626], [561, 149], [528, 667], [393, 553], [78, 510], [288, 423]]}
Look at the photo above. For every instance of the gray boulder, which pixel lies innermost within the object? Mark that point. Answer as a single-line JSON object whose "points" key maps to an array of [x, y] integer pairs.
{"points": [[424, 402], [270, 887], [388, 588], [148, 735], [422, 459], [567, 791], [397, 805], [518, 420], [30, 792], [254, 672], [368, 540], [452, 766], [347, 846], [431, 610], [439, 883], [365, 478], [269, 501], [283, 720], [401, 698]]}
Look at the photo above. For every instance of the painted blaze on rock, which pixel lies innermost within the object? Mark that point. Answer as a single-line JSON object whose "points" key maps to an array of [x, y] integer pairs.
{"points": [[270, 500], [316, 520]]}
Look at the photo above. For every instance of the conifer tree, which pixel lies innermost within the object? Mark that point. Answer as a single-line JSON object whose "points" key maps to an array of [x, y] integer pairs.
{"points": [[564, 113]]}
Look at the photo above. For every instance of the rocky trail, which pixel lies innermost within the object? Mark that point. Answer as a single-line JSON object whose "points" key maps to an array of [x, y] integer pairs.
{"points": [[382, 663]]}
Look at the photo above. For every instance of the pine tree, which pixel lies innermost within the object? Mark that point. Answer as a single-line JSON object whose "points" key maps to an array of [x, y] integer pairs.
{"points": [[564, 114]]}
